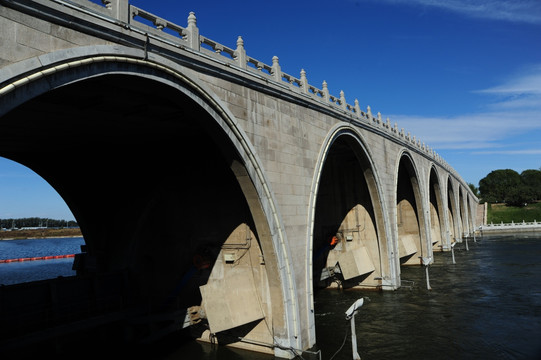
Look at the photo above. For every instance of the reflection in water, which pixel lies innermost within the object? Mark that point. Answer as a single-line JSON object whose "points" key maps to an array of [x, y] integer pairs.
{"points": [[486, 306]]}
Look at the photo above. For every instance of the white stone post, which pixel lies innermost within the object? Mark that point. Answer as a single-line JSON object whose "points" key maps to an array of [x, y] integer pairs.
{"points": [[357, 108], [325, 91], [343, 100], [304, 82], [120, 9], [240, 53], [193, 32], [276, 70]]}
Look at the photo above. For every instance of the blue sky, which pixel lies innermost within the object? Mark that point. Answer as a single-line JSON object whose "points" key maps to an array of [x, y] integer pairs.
{"points": [[464, 76]]}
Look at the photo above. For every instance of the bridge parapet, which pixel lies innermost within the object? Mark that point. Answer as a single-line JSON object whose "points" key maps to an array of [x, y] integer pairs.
{"points": [[129, 18], [510, 227], [188, 38]]}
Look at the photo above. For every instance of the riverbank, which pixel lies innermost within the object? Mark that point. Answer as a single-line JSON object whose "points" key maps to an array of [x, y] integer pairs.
{"points": [[40, 233], [510, 228], [498, 213]]}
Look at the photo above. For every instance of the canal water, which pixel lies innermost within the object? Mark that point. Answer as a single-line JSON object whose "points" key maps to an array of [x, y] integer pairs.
{"points": [[17, 272], [486, 306]]}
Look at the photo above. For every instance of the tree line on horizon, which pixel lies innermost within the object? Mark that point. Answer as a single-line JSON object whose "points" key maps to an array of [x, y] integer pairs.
{"points": [[509, 187], [36, 222]]}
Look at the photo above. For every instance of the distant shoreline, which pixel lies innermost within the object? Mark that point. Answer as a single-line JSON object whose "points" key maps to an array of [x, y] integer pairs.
{"points": [[40, 234]]}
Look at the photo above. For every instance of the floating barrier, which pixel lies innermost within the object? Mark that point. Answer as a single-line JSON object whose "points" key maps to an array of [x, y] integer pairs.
{"points": [[37, 258]]}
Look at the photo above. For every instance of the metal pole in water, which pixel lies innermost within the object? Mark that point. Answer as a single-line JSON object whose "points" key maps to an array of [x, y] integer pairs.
{"points": [[356, 355], [427, 279], [426, 263], [350, 315], [453, 251]]}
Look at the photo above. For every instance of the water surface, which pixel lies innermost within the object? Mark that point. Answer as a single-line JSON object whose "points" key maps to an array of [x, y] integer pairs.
{"points": [[486, 306], [18, 272]]}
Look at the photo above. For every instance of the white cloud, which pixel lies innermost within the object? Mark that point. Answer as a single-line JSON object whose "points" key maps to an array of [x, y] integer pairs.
{"points": [[527, 11], [469, 131], [513, 110], [509, 152], [527, 80]]}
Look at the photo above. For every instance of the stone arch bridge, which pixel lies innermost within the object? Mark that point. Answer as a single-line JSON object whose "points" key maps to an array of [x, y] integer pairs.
{"points": [[211, 180]]}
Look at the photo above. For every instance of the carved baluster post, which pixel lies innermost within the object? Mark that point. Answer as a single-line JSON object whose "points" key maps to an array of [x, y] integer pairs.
{"points": [[240, 53], [276, 70], [343, 100], [120, 9], [325, 91], [357, 108], [193, 32], [304, 82]]}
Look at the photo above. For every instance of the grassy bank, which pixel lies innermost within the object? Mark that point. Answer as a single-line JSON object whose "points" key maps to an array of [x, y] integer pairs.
{"points": [[498, 213], [39, 233]]}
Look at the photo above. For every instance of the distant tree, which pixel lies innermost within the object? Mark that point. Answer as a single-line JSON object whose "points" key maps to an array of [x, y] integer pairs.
{"points": [[518, 196], [532, 181], [474, 189], [35, 222], [495, 186]]}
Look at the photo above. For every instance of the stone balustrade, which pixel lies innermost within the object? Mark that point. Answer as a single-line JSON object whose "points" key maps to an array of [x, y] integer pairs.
{"points": [[188, 38], [510, 227]]}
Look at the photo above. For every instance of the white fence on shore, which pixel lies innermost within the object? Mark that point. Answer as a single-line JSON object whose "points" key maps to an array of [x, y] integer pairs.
{"points": [[510, 227]]}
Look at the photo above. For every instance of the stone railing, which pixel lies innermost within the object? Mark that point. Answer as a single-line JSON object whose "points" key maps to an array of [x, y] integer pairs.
{"points": [[188, 39], [511, 227], [238, 57]]}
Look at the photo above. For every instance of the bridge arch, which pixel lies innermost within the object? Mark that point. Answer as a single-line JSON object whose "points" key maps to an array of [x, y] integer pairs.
{"points": [[472, 213], [437, 224], [463, 211], [41, 80], [410, 221], [347, 234], [452, 213]]}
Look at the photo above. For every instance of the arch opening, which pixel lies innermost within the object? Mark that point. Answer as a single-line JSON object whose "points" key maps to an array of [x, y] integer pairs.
{"points": [[451, 212], [436, 225], [349, 249], [408, 202], [155, 186], [471, 218], [43, 235], [463, 213]]}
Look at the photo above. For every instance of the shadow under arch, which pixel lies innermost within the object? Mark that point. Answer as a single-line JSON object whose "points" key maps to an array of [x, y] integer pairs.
{"points": [[112, 125], [437, 224], [347, 206], [472, 211], [410, 218], [452, 213], [463, 213]]}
